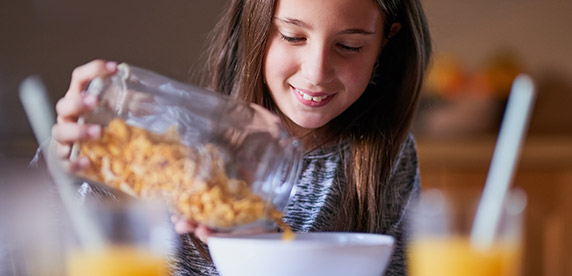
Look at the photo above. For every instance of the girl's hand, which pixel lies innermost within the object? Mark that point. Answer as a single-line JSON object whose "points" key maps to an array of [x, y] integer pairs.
{"points": [[66, 131], [184, 226]]}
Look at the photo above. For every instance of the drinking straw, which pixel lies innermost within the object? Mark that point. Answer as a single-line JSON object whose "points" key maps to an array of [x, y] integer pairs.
{"points": [[36, 105], [503, 163]]}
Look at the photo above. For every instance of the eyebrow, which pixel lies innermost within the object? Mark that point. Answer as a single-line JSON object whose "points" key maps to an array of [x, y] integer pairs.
{"points": [[300, 23], [294, 21], [356, 31]]}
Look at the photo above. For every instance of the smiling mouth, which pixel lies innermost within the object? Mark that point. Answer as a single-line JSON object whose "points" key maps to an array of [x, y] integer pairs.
{"points": [[308, 97]]}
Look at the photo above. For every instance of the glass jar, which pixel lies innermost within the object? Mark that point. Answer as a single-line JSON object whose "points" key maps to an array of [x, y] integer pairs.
{"points": [[219, 161]]}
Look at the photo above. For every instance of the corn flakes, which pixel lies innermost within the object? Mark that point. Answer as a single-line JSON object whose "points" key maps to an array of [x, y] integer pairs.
{"points": [[149, 165]]}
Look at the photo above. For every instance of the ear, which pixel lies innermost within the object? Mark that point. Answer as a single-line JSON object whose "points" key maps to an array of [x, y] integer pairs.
{"points": [[394, 29]]}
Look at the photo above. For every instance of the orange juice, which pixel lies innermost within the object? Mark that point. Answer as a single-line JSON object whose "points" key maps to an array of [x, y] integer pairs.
{"points": [[455, 256], [116, 261]]}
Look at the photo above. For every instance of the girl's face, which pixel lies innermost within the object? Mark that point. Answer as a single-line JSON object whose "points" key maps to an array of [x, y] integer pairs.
{"points": [[320, 56]]}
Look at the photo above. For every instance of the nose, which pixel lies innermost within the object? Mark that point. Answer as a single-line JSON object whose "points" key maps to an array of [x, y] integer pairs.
{"points": [[317, 65]]}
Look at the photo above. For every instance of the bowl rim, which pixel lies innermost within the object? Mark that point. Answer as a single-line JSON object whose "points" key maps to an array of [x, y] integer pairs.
{"points": [[270, 239]]}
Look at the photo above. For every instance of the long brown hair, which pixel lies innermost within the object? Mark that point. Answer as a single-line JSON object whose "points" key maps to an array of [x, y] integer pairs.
{"points": [[376, 124]]}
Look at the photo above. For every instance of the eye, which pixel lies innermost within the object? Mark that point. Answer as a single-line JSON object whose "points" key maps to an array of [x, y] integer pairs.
{"points": [[291, 39], [350, 49]]}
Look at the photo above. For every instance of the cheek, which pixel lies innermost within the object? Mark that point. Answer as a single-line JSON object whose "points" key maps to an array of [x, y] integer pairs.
{"points": [[357, 75], [278, 63]]}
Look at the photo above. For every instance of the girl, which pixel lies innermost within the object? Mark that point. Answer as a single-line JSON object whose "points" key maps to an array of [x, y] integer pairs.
{"points": [[344, 76]]}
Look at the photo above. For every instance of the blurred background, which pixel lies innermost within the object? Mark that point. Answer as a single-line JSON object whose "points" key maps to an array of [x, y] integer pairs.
{"points": [[480, 46]]}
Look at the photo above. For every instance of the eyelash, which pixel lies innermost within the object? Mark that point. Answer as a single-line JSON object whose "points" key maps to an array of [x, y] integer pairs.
{"points": [[290, 39], [350, 49]]}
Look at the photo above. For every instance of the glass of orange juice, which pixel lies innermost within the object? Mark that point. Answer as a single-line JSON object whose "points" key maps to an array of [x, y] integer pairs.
{"points": [[441, 246], [139, 241]]}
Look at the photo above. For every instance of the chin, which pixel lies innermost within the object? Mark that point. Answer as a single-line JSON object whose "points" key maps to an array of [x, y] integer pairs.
{"points": [[310, 124]]}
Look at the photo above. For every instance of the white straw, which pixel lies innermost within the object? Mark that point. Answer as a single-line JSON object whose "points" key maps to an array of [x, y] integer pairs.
{"points": [[40, 115], [503, 164]]}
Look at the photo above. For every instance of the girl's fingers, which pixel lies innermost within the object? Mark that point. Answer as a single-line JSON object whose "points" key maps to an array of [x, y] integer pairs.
{"points": [[71, 132], [203, 233], [74, 102], [63, 150], [183, 226], [82, 75], [70, 107], [74, 166]]}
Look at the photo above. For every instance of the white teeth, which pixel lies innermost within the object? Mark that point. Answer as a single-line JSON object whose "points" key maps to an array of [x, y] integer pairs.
{"points": [[310, 98]]}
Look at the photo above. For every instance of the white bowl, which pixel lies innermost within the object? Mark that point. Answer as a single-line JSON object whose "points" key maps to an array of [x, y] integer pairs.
{"points": [[324, 253]]}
